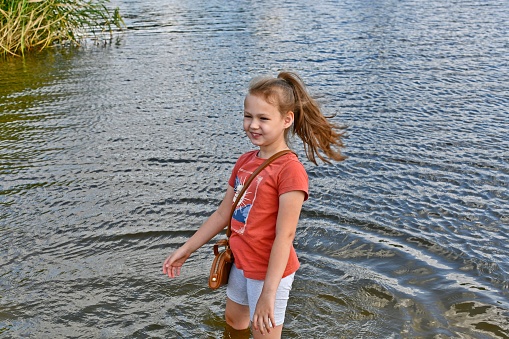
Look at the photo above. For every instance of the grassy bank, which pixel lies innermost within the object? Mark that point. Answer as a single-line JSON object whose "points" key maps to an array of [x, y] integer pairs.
{"points": [[27, 25]]}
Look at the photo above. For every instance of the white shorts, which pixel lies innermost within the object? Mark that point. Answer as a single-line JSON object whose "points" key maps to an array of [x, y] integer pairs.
{"points": [[245, 291]]}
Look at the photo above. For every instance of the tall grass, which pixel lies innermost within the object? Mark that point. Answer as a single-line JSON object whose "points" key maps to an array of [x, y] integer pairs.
{"points": [[27, 25]]}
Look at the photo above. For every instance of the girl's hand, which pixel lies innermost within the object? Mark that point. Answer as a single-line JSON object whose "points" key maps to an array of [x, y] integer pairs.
{"points": [[174, 262], [263, 318]]}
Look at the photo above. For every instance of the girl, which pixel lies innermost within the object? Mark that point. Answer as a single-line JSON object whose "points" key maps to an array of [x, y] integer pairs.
{"points": [[265, 221]]}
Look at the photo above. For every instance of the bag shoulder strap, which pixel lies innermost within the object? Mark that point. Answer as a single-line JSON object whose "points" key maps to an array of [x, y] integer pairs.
{"points": [[248, 182]]}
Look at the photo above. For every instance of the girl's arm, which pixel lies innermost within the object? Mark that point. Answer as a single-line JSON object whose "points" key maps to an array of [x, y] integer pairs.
{"points": [[290, 205], [209, 229]]}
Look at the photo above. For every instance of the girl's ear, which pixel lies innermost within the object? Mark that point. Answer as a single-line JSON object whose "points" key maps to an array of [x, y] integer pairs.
{"points": [[288, 119]]}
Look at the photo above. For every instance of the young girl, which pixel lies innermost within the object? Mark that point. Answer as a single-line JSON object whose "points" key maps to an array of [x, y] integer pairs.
{"points": [[265, 221]]}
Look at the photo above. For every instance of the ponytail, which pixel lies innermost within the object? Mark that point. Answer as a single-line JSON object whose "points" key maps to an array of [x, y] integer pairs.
{"points": [[288, 93]]}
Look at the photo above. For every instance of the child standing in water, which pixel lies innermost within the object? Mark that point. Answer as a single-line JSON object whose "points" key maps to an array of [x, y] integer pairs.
{"points": [[265, 221]]}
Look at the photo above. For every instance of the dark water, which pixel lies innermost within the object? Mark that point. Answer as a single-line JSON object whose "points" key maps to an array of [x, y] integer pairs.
{"points": [[111, 155]]}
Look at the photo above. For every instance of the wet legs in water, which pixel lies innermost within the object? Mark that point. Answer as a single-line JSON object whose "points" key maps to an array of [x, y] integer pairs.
{"points": [[231, 333]]}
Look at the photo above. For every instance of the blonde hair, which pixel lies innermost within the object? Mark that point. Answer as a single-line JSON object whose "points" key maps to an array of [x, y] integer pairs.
{"points": [[288, 93]]}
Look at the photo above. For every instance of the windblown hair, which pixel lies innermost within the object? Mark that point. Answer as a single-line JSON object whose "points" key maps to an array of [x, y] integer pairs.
{"points": [[288, 93]]}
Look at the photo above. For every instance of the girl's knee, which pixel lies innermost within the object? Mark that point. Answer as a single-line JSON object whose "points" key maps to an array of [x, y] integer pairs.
{"points": [[237, 322], [236, 315]]}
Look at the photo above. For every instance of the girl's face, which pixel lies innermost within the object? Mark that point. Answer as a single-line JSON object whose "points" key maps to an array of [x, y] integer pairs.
{"points": [[263, 123]]}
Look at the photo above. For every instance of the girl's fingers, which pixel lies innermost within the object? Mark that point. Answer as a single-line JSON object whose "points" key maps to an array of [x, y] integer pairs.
{"points": [[171, 272], [255, 323], [263, 325], [272, 323], [268, 324], [175, 271], [166, 266]]}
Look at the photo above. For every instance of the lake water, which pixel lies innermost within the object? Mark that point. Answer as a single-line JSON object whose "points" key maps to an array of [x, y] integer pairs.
{"points": [[113, 154]]}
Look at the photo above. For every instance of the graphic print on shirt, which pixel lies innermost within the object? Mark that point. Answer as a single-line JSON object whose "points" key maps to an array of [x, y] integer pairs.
{"points": [[243, 208]]}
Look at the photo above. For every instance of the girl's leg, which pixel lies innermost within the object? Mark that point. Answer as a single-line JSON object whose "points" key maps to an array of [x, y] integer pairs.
{"points": [[237, 315], [254, 289], [231, 333], [275, 333], [237, 305]]}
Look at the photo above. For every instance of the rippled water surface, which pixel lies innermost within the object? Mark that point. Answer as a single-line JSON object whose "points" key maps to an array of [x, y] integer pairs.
{"points": [[112, 155]]}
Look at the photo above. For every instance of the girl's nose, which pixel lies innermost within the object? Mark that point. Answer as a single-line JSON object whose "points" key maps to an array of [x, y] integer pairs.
{"points": [[253, 124]]}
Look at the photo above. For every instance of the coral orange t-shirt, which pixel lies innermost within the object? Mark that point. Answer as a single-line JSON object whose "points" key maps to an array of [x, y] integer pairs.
{"points": [[254, 221]]}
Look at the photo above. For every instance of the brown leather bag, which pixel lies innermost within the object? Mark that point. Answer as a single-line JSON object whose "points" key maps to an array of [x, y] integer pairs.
{"points": [[221, 266], [223, 260]]}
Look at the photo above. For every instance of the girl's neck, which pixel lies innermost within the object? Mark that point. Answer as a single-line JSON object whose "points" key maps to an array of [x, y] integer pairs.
{"points": [[267, 153]]}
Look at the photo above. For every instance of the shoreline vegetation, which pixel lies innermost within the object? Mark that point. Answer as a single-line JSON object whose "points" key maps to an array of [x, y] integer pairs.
{"points": [[33, 25]]}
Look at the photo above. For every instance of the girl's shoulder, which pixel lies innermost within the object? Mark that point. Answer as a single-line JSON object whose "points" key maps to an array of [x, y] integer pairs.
{"points": [[245, 159], [291, 163], [248, 155]]}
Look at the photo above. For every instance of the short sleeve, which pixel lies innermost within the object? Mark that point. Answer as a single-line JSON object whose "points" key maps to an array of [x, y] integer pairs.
{"points": [[293, 177]]}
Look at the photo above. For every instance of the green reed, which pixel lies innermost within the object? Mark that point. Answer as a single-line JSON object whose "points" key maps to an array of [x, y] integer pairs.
{"points": [[27, 25]]}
